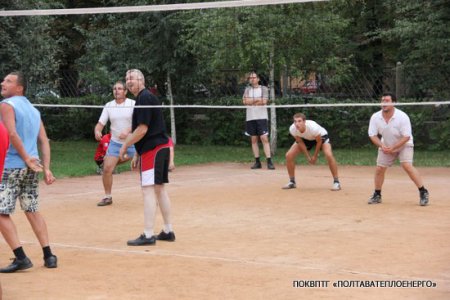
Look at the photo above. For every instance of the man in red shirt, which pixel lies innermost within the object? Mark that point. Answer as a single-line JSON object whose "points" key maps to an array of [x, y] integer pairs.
{"points": [[4, 144], [100, 152]]}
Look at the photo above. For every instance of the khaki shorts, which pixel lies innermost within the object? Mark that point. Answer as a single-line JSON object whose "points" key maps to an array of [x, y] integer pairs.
{"points": [[404, 156], [22, 184]]}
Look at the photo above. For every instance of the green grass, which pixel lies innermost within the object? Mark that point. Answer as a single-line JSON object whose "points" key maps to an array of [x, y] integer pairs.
{"points": [[76, 158]]}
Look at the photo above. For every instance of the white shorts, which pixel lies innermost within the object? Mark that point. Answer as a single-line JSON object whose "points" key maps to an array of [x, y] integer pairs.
{"points": [[406, 154]]}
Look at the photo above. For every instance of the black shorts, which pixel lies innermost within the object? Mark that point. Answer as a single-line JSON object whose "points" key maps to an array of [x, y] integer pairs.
{"points": [[310, 144], [257, 127]]}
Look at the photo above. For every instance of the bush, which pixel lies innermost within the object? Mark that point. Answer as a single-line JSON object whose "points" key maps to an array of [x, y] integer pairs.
{"points": [[347, 126], [72, 123]]}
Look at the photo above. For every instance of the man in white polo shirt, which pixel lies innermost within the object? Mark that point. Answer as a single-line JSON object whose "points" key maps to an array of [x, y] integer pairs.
{"points": [[119, 112], [308, 134], [394, 127]]}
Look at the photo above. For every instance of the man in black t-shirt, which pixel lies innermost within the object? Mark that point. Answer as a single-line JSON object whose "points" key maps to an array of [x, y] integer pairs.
{"points": [[152, 157]]}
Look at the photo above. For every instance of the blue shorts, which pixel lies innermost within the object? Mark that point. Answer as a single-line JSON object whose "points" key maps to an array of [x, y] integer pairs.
{"points": [[114, 149]]}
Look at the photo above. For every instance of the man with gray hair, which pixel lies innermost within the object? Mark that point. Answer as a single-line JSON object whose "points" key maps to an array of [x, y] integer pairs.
{"points": [[152, 158]]}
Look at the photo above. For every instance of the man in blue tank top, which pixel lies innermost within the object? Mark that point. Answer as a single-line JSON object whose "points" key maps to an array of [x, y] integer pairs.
{"points": [[20, 176]]}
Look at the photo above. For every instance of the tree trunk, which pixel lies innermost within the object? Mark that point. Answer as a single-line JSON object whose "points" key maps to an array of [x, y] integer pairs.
{"points": [[173, 131], [285, 80], [273, 113]]}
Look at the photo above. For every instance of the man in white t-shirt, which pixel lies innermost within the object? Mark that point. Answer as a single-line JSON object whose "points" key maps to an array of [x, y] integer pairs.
{"points": [[118, 112], [256, 126], [394, 127], [308, 134]]}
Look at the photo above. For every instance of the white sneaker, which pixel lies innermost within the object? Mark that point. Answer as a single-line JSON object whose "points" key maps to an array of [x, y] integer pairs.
{"points": [[336, 186], [290, 185]]}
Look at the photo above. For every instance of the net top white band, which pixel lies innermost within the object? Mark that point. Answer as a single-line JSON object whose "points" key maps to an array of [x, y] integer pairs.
{"points": [[435, 103], [148, 8]]}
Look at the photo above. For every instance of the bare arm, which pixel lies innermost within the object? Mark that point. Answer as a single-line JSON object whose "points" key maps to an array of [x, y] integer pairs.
{"points": [[317, 149], [249, 101], [135, 136], [260, 101], [132, 139], [125, 133], [301, 145], [400, 144], [44, 145], [376, 141], [98, 131], [252, 101]]}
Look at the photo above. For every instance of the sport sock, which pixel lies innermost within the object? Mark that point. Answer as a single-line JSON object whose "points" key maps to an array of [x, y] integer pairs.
{"points": [[47, 252], [168, 228], [19, 253]]}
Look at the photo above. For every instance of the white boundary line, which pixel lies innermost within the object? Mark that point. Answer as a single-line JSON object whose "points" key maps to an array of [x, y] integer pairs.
{"points": [[148, 8], [156, 252]]}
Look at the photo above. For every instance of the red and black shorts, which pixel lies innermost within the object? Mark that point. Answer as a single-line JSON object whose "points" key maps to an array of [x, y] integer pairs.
{"points": [[155, 165]]}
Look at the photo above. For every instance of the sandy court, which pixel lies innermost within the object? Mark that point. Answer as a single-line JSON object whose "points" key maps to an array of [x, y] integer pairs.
{"points": [[240, 236]]}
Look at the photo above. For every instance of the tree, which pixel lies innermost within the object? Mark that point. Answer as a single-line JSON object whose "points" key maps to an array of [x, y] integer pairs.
{"points": [[28, 46], [295, 38], [422, 31], [147, 41]]}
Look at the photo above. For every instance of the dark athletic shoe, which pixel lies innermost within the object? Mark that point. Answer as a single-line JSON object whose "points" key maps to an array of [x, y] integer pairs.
{"points": [[51, 262], [169, 237], [424, 198], [17, 264], [375, 199], [256, 165], [142, 241]]}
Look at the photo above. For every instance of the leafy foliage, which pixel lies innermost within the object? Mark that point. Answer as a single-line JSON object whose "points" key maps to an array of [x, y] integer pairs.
{"points": [[24, 40]]}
